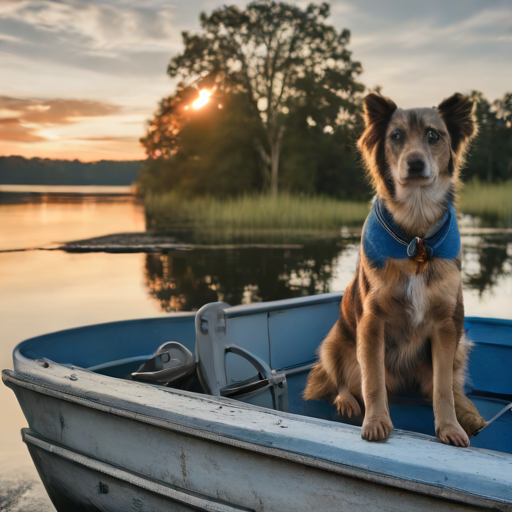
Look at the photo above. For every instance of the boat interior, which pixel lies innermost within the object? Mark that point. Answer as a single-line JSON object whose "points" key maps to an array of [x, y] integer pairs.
{"points": [[261, 354]]}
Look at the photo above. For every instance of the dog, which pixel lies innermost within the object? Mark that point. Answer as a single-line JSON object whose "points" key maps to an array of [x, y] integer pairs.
{"points": [[401, 318]]}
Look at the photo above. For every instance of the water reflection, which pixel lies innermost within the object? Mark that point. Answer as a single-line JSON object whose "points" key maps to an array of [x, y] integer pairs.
{"points": [[493, 258], [186, 281], [38, 220]]}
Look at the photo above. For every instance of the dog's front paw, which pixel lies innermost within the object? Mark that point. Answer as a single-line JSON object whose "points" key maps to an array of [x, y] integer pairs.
{"points": [[376, 429], [452, 434], [471, 422]]}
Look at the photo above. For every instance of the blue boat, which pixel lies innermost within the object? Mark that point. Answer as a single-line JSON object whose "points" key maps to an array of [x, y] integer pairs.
{"points": [[119, 419]]}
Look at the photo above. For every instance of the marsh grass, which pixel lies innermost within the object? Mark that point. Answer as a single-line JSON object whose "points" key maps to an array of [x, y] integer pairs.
{"points": [[254, 213], [491, 202], [268, 217]]}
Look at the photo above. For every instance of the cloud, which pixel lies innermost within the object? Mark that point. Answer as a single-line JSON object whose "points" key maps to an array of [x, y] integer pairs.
{"points": [[109, 139], [116, 51], [120, 38], [98, 26], [20, 119], [11, 129], [421, 52]]}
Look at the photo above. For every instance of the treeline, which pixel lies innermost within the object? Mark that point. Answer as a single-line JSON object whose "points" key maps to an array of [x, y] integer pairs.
{"points": [[490, 157], [270, 100], [17, 170], [214, 153]]}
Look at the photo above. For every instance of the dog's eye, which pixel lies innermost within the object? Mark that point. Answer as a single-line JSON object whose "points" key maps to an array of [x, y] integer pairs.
{"points": [[432, 136], [395, 136]]}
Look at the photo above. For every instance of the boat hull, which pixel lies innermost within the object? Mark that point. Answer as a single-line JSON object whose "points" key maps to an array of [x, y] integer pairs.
{"points": [[103, 442], [83, 485], [97, 457]]}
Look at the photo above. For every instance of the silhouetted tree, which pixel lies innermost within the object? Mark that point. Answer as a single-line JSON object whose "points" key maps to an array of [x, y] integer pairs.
{"points": [[204, 151], [279, 56]]}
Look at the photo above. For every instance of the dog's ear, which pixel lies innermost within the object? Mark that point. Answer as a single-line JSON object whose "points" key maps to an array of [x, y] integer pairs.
{"points": [[457, 114], [377, 108], [377, 113]]}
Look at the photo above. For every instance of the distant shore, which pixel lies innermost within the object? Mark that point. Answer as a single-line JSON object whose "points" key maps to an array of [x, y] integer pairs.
{"points": [[69, 189]]}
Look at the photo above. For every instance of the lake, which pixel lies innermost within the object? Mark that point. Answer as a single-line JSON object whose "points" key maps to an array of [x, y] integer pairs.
{"points": [[48, 290]]}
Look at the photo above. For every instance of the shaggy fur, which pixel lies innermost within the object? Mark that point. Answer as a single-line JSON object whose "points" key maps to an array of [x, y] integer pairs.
{"points": [[401, 326]]}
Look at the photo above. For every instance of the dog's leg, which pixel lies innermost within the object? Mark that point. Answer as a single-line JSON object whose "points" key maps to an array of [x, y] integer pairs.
{"points": [[467, 414], [370, 353], [336, 376], [444, 343], [348, 379], [319, 385]]}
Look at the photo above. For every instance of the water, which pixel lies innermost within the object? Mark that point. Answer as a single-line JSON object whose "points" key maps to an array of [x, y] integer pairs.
{"points": [[44, 291]]}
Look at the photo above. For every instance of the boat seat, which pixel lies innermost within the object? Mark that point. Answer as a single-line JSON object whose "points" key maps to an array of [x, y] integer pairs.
{"points": [[171, 364], [268, 388]]}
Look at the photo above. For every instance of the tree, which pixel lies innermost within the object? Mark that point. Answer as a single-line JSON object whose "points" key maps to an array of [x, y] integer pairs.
{"points": [[205, 151], [321, 158], [491, 157], [278, 56]]}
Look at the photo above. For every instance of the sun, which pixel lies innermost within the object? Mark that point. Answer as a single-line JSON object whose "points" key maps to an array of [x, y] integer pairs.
{"points": [[204, 98]]}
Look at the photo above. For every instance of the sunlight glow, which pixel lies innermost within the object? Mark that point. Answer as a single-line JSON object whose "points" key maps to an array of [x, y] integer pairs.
{"points": [[204, 98]]}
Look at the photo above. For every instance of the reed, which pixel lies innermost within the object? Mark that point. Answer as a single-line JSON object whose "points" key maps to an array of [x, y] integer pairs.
{"points": [[491, 202], [258, 212]]}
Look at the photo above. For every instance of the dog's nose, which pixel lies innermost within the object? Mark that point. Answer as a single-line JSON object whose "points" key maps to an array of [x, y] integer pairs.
{"points": [[416, 166]]}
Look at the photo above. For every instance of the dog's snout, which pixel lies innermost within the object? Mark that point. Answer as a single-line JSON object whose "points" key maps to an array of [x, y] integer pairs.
{"points": [[416, 166]]}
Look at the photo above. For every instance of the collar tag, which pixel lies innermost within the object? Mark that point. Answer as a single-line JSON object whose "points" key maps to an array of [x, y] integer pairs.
{"points": [[418, 251]]}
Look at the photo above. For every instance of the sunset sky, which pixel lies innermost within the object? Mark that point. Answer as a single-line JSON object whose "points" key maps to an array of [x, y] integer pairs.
{"points": [[78, 79]]}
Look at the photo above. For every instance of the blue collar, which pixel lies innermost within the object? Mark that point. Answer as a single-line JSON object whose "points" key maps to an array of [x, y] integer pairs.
{"points": [[383, 238]]}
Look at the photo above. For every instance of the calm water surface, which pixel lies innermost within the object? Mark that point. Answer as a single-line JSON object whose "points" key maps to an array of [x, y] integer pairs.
{"points": [[43, 291]]}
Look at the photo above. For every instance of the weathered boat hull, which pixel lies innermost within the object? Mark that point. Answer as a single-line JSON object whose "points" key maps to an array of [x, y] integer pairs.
{"points": [[102, 443], [76, 483], [115, 453]]}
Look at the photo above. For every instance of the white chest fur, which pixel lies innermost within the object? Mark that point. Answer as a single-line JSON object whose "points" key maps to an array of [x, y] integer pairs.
{"points": [[417, 297]]}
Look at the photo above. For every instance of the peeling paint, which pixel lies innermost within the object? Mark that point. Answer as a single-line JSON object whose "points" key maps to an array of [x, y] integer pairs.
{"points": [[183, 462], [103, 488], [62, 423]]}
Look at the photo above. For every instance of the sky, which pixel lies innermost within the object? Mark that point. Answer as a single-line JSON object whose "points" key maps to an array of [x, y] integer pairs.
{"points": [[80, 78]]}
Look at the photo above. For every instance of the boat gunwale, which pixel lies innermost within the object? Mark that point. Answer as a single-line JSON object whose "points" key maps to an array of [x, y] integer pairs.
{"points": [[415, 485], [62, 332], [280, 305]]}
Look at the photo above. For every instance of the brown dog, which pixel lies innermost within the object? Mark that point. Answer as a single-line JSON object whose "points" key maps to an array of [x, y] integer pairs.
{"points": [[401, 317]]}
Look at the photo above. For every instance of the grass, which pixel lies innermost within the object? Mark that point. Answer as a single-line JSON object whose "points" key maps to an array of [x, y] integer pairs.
{"points": [[249, 216], [254, 213], [492, 202]]}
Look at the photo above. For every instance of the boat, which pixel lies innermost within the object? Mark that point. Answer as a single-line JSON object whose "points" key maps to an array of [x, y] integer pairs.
{"points": [[203, 411]]}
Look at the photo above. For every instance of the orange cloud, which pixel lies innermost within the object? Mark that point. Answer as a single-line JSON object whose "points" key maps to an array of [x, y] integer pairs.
{"points": [[56, 111], [12, 130], [62, 128]]}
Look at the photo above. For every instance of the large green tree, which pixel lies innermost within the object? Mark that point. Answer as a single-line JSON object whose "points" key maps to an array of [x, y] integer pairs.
{"points": [[278, 56], [490, 158]]}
